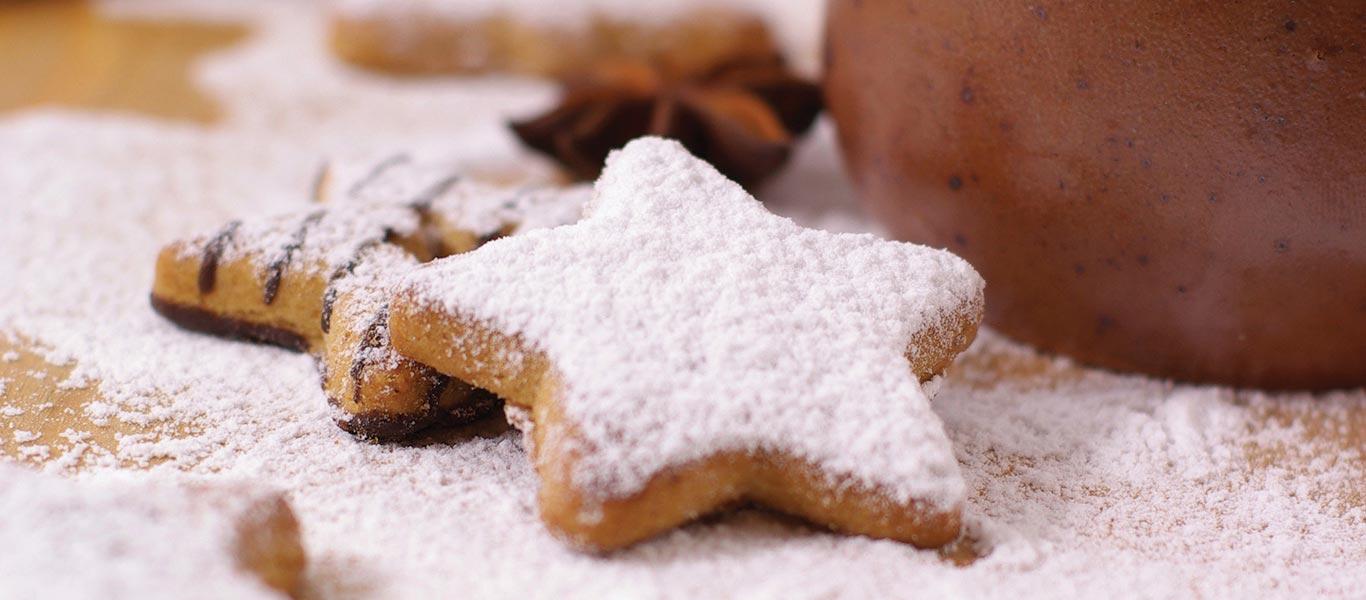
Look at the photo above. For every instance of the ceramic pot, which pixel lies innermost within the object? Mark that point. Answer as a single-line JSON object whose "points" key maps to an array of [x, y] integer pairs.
{"points": [[1175, 188]]}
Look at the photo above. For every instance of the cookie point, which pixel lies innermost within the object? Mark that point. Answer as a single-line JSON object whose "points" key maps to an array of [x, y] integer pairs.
{"points": [[649, 154], [651, 143]]}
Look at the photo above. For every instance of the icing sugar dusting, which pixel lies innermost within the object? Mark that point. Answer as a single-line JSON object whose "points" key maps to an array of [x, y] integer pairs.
{"points": [[685, 320], [1080, 482], [119, 536], [369, 201]]}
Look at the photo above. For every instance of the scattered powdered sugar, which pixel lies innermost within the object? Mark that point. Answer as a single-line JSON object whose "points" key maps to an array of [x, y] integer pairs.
{"points": [[120, 536], [365, 202], [368, 289], [1080, 483], [1138, 487], [35, 452], [313, 239], [488, 211], [685, 320]]}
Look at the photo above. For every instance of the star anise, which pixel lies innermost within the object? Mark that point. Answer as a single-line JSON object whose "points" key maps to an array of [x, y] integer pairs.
{"points": [[741, 116]]}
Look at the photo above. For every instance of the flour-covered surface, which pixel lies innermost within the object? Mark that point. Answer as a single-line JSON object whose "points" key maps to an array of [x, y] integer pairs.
{"points": [[1079, 482], [117, 535]]}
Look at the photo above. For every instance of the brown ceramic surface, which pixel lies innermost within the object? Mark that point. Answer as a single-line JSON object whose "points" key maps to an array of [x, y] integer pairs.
{"points": [[1171, 187]]}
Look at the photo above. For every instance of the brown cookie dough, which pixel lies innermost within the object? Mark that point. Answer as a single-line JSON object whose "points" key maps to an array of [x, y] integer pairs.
{"points": [[316, 280]]}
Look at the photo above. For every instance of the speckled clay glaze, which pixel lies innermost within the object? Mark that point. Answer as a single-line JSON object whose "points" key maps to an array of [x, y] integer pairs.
{"points": [[1176, 188]]}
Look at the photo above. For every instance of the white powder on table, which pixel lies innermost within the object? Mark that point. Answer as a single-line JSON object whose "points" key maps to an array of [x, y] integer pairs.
{"points": [[120, 536], [35, 452], [1080, 483]]}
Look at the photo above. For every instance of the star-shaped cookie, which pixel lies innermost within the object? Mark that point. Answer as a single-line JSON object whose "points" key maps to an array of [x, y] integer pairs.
{"points": [[317, 279], [682, 349]]}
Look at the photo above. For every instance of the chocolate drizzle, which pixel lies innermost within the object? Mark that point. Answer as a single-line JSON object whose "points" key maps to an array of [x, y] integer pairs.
{"points": [[376, 172], [496, 234], [329, 298], [374, 336], [213, 251], [368, 413], [275, 272], [347, 268], [382, 424], [423, 201]]}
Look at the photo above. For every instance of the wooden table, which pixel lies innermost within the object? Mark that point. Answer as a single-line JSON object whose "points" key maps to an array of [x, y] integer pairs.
{"points": [[65, 54]]}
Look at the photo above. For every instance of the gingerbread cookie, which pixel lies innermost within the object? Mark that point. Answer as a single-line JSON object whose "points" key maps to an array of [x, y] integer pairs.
{"points": [[316, 280], [118, 536], [540, 38], [681, 349]]}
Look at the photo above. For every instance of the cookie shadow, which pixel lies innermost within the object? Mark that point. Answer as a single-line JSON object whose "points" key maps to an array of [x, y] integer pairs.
{"points": [[492, 425], [750, 529], [333, 576]]}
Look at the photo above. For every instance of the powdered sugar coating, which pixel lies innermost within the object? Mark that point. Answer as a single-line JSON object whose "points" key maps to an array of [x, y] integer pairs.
{"points": [[367, 202], [486, 211], [119, 536], [685, 320], [1076, 475]]}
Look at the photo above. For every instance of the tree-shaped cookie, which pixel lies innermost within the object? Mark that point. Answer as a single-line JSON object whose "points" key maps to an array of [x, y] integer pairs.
{"points": [[681, 349], [317, 280]]}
